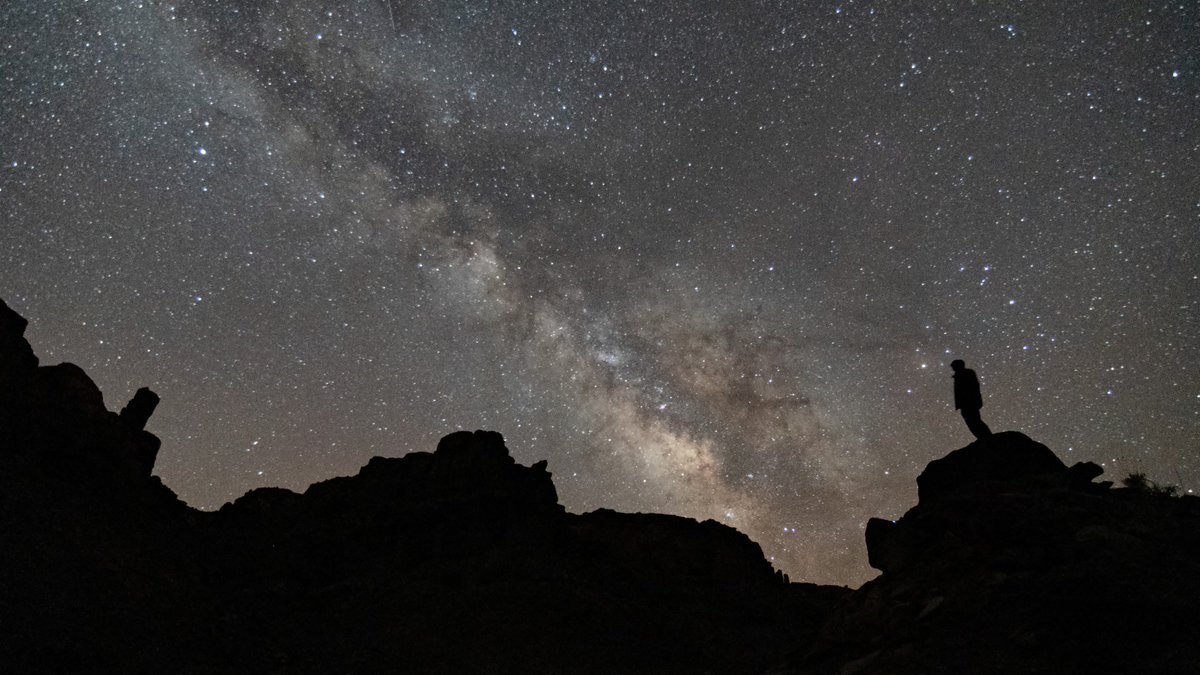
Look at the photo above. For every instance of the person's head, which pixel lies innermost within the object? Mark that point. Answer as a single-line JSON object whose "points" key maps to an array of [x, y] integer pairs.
{"points": [[957, 365]]}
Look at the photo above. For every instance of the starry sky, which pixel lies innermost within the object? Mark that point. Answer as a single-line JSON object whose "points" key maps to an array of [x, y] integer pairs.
{"points": [[707, 258]]}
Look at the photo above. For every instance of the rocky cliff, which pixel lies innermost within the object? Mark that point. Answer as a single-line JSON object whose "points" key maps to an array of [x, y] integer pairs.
{"points": [[1012, 562], [462, 561], [455, 561]]}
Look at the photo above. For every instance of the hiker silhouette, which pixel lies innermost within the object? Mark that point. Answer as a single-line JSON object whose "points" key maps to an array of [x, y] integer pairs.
{"points": [[967, 398]]}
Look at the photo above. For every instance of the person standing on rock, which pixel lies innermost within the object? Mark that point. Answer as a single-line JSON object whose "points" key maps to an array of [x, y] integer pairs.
{"points": [[967, 398]]}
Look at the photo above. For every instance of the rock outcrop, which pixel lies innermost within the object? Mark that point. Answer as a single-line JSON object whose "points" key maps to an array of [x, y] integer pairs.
{"points": [[1013, 562], [455, 561], [462, 561]]}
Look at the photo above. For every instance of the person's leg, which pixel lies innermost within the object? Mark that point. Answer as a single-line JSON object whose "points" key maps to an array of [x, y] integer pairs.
{"points": [[975, 424]]}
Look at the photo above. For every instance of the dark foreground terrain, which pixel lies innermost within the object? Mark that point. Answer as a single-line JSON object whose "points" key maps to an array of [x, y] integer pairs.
{"points": [[462, 561]]}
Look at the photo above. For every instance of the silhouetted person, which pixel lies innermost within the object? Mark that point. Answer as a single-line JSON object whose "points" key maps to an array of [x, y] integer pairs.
{"points": [[967, 398]]}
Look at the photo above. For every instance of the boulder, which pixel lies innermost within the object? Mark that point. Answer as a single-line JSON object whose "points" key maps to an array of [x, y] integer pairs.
{"points": [[137, 412], [987, 464]]}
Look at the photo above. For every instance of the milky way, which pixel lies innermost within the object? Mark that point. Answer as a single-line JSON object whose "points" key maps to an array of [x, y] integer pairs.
{"points": [[710, 259]]}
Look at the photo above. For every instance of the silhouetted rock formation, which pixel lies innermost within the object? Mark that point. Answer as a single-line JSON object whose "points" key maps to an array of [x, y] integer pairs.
{"points": [[456, 561], [1012, 562], [991, 461], [462, 561], [137, 412]]}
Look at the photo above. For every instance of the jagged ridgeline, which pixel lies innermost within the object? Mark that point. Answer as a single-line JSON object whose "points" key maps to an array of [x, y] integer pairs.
{"points": [[456, 561], [462, 561]]}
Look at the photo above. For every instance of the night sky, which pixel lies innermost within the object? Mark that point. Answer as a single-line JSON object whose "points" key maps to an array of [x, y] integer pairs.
{"points": [[707, 258]]}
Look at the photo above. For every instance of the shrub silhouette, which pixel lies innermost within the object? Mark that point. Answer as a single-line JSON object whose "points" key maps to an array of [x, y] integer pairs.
{"points": [[1138, 481]]}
